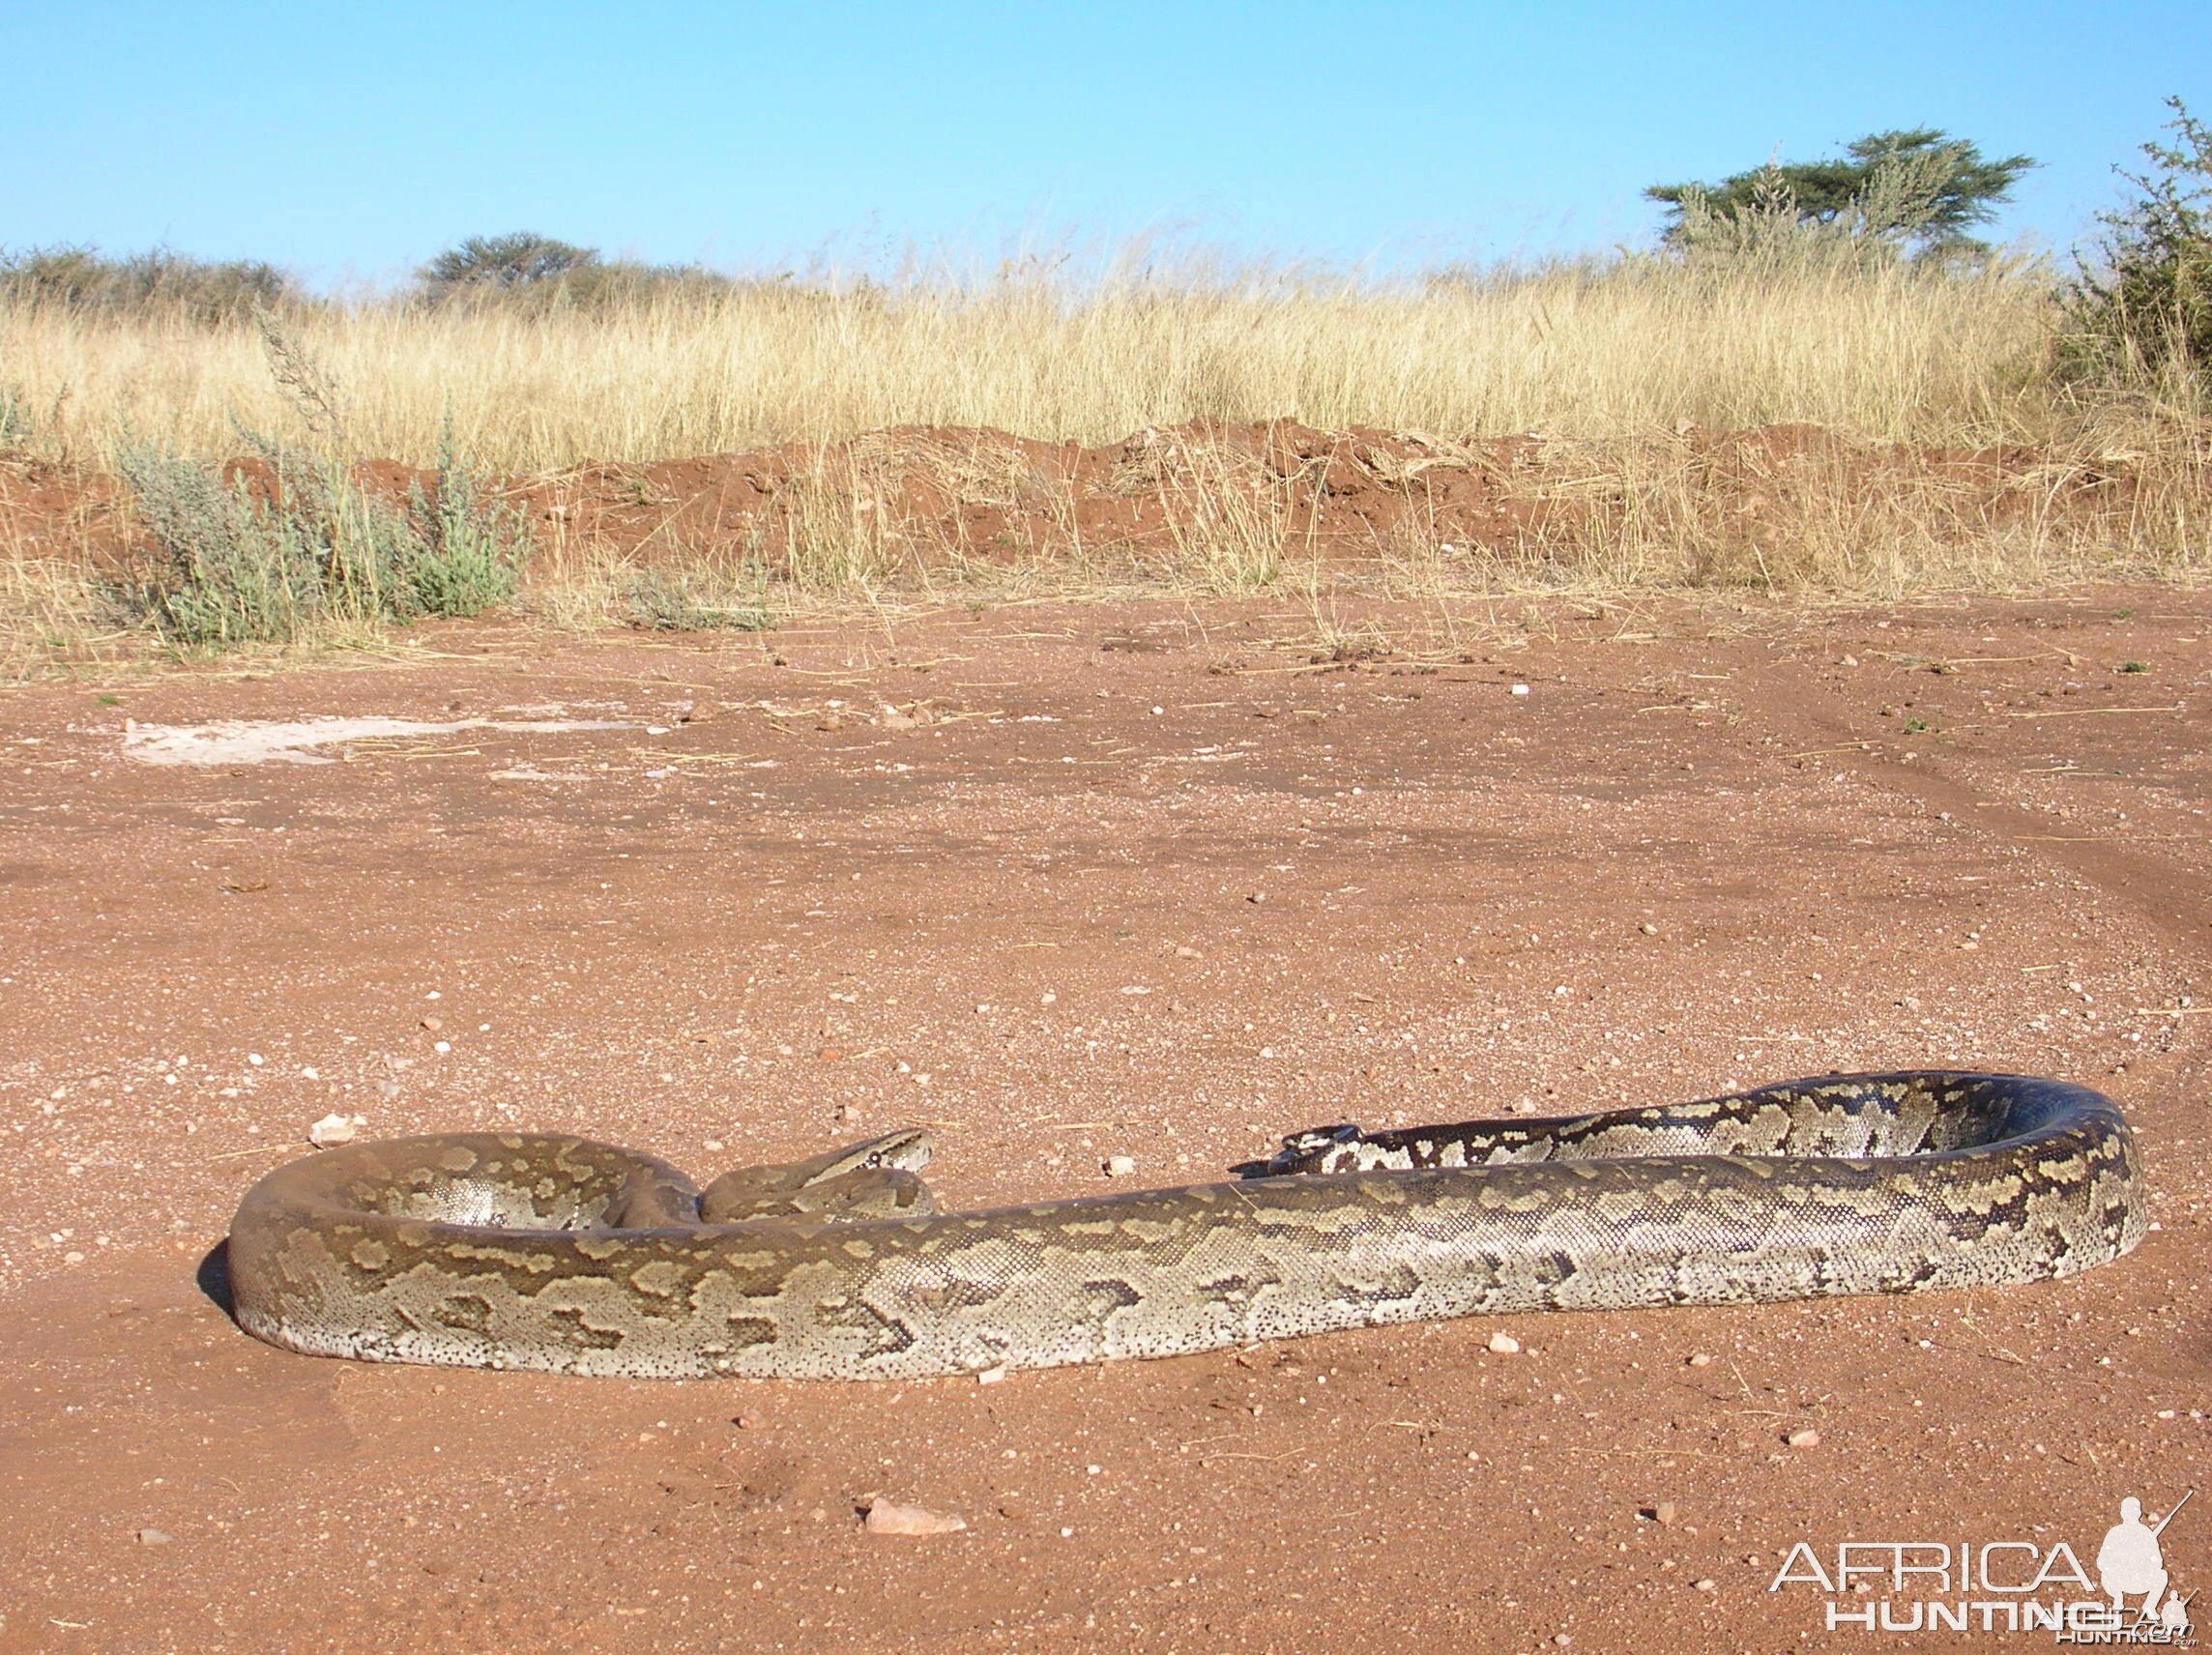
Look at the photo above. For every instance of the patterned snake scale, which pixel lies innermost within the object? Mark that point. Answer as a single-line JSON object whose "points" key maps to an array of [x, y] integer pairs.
{"points": [[559, 1254]]}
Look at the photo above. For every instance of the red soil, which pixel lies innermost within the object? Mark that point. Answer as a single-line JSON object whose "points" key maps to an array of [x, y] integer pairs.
{"points": [[940, 498], [836, 878]]}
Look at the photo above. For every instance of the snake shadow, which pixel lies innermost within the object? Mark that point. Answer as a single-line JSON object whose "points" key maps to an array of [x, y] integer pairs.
{"points": [[213, 1278]]}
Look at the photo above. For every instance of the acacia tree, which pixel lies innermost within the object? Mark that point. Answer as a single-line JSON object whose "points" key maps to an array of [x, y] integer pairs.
{"points": [[512, 260], [1916, 186]]}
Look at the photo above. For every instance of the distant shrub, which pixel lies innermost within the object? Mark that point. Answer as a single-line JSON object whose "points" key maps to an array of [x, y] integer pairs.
{"points": [[2146, 303], [210, 292], [533, 271], [496, 263]]}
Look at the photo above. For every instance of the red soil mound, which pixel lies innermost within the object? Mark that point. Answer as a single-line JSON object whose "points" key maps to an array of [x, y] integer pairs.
{"points": [[946, 497]]}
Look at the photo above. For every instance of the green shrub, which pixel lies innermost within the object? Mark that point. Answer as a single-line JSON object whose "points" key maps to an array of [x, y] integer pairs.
{"points": [[2146, 305], [233, 564], [229, 570], [469, 548]]}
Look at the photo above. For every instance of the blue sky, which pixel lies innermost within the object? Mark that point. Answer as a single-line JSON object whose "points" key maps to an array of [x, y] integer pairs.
{"points": [[352, 143]]}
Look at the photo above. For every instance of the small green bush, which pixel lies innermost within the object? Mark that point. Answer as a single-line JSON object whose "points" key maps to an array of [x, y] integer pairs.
{"points": [[235, 566], [2146, 303], [230, 569], [469, 548]]}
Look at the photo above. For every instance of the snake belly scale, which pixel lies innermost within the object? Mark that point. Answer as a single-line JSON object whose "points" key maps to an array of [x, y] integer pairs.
{"points": [[525, 1251]]}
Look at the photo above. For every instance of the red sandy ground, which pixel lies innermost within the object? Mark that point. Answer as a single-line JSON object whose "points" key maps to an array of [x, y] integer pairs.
{"points": [[1115, 881]]}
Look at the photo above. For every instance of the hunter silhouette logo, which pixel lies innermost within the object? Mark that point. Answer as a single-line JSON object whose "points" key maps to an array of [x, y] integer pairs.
{"points": [[2130, 1564], [2008, 1584]]}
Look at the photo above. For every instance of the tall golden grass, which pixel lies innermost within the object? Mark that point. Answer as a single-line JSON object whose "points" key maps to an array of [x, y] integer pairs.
{"points": [[1581, 350]]}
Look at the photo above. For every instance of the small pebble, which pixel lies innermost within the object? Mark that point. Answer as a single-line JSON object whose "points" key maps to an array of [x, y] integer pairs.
{"points": [[1522, 689], [1120, 1166], [991, 1375], [1807, 1438], [154, 1537], [1504, 1344], [1705, 1585], [335, 1129], [1700, 1360], [1664, 1512], [1648, 929], [434, 1024]]}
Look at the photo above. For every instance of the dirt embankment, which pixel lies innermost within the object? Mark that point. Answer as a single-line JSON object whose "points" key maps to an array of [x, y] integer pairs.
{"points": [[1243, 500]]}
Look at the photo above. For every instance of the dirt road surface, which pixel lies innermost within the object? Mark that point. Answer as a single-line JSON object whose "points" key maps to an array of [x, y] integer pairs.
{"points": [[1066, 884]]}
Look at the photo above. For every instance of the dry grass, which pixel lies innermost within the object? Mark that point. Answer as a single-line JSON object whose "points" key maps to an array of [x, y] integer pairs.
{"points": [[2115, 497], [50, 615], [1585, 352]]}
